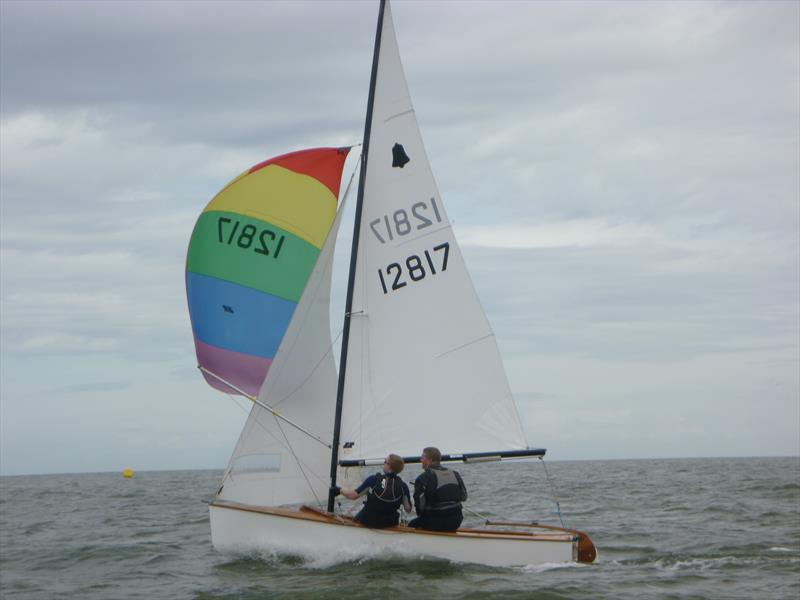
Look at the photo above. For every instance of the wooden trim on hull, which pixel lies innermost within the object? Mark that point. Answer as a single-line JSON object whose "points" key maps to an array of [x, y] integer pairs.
{"points": [[586, 552]]}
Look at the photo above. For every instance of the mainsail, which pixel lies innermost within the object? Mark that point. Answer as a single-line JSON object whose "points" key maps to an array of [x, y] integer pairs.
{"points": [[423, 366], [251, 253]]}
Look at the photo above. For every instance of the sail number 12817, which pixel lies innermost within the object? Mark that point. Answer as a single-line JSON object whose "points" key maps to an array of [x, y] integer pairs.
{"points": [[400, 223], [246, 237], [414, 268]]}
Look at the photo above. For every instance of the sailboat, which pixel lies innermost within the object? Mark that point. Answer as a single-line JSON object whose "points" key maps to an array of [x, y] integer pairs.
{"points": [[418, 365]]}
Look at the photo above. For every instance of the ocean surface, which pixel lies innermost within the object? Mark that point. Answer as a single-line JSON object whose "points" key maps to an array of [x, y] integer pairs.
{"points": [[683, 528]]}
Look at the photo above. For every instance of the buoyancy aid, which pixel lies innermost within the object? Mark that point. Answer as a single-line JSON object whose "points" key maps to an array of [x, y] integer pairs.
{"points": [[444, 489], [386, 496]]}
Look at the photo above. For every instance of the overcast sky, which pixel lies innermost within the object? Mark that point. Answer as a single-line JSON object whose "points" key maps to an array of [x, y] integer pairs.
{"points": [[623, 179]]}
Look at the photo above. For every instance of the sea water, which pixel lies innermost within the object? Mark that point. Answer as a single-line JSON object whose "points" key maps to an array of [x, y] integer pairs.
{"points": [[683, 528]]}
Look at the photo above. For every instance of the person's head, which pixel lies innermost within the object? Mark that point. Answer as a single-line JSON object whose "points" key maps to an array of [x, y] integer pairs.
{"points": [[430, 456], [393, 464]]}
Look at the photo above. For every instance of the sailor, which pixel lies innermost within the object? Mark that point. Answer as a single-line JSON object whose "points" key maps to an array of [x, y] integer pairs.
{"points": [[385, 492], [438, 494]]}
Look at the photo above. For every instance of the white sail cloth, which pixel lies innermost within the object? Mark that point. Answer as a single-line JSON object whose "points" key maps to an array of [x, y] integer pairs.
{"points": [[423, 366]]}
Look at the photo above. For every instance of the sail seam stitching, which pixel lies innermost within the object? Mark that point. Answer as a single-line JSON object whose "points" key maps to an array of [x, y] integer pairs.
{"points": [[422, 235], [475, 341], [400, 114]]}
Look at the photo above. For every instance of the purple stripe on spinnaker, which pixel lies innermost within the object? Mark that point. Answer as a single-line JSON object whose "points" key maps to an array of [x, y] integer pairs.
{"points": [[244, 370]]}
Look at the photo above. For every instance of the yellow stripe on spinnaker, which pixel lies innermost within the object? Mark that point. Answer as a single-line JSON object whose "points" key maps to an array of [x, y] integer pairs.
{"points": [[292, 201]]}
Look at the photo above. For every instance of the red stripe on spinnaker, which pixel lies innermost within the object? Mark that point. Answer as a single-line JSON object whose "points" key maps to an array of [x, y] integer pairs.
{"points": [[245, 371], [323, 164]]}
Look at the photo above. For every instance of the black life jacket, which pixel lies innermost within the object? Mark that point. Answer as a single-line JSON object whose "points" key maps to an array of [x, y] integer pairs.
{"points": [[386, 495], [443, 489]]}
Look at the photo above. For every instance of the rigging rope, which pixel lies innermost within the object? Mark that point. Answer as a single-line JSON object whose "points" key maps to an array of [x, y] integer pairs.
{"points": [[552, 492], [274, 437], [476, 513], [255, 400], [299, 464], [244, 408]]}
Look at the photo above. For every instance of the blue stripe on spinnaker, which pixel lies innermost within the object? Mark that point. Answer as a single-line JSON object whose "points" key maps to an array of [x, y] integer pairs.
{"points": [[235, 317]]}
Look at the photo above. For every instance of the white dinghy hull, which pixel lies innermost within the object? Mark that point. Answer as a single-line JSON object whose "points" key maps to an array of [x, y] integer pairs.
{"points": [[243, 529]]}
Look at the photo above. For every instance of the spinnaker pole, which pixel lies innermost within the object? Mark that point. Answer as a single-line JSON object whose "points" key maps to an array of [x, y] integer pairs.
{"points": [[337, 423], [266, 407]]}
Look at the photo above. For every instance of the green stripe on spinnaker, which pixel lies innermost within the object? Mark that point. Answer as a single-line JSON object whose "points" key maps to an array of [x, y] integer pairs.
{"points": [[232, 247]]}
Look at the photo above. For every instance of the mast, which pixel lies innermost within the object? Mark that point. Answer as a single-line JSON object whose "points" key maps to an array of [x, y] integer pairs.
{"points": [[337, 424]]}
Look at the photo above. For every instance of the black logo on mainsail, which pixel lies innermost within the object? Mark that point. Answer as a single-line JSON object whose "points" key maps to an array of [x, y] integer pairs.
{"points": [[399, 156]]}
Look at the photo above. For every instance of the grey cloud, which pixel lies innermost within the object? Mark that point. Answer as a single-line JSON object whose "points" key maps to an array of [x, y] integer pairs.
{"points": [[175, 73], [626, 305], [106, 386], [96, 53]]}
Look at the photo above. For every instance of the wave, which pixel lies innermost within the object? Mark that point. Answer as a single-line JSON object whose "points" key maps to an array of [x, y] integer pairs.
{"points": [[541, 568], [326, 558], [722, 562], [374, 557]]}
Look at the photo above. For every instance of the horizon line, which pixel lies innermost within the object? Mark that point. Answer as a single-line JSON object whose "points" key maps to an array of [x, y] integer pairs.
{"points": [[174, 470]]}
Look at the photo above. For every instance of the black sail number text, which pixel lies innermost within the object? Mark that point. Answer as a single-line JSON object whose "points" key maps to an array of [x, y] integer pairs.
{"points": [[263, 241], [414, 268], [400, 223]]}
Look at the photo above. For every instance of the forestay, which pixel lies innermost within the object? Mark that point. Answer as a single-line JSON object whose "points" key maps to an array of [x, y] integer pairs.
{"points": [[423, 366]]}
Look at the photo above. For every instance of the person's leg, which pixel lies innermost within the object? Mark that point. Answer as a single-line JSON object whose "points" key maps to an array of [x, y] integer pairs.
{"points": [[444, 520], [439, 524], [458, 517], [385, 521], [392, 520], [374, 521]]}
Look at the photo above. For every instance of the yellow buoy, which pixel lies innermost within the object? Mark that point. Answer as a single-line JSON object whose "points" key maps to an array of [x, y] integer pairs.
{"points": [[127, 473]]}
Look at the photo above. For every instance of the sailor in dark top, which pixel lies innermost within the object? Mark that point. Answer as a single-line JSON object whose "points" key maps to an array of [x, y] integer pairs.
{"points": [[385, 492], [438, 494]]}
